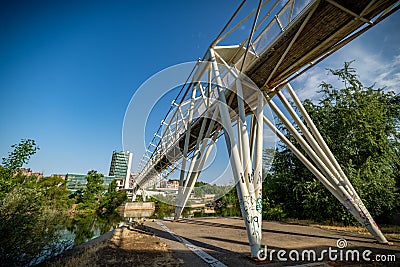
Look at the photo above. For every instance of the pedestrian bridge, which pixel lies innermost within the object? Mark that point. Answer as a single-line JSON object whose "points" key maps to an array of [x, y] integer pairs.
{"points": [[229, 87]]}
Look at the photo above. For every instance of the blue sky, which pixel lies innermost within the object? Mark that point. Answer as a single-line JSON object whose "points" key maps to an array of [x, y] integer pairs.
{"points": [[69, 68]]}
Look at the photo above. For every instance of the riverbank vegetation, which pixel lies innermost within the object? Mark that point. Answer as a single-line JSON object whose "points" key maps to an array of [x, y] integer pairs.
{"points": [[34, 212]]}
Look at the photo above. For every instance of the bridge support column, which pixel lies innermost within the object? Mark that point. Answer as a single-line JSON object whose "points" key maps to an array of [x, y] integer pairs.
{"points": [[179, 201], [201, 153], [144, 195], [241, 161]]}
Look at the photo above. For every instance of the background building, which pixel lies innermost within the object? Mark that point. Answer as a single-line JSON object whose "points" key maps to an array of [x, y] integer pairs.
{"points": [[77, 182], [61, 176], [132, 179], [171, 184], [121, 168], [29, 172]]}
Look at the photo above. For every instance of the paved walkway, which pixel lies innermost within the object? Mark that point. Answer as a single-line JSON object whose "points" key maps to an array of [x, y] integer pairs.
{"points": [[223, 241]]}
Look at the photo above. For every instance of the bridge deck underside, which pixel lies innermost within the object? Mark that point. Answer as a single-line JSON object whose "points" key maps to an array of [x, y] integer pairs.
{"points": [[251, 100], [326, 26]]}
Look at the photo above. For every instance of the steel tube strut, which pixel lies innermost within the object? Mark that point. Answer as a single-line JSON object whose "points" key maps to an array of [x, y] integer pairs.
{"points": [[343, 193], [248, 202], [354, 198], [258, 160]]}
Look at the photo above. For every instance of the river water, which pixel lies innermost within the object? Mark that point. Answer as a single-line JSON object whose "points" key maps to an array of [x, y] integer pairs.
{"points": [[83, 228]]}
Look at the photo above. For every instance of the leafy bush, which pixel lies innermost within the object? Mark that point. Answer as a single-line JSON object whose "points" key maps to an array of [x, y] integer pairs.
{"points": [[360, 125]]}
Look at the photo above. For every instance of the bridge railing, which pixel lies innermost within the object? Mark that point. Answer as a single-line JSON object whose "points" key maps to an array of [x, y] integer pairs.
{"points": [[199, 97], [275, 17]]}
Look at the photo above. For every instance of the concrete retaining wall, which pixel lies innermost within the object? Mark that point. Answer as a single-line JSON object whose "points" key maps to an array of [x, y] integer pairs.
{"points": [[140, 206]]}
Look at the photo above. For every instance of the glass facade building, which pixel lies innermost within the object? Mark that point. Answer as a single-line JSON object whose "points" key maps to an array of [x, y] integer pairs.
{"points": [[121, 168], [77, 182]]}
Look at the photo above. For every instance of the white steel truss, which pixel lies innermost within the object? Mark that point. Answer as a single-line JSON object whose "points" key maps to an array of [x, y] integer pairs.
{"points": [[229, 89], [248, 183]]}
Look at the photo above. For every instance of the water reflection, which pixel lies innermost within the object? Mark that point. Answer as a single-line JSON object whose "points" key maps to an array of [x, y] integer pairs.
{"points": [[84, 227]]}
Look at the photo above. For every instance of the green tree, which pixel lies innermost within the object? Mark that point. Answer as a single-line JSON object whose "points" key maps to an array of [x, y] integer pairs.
{"points": [[359, 124], [56, 192], [9, 171], [29, 222], [20, 154], [112, 199], [94, 188]]}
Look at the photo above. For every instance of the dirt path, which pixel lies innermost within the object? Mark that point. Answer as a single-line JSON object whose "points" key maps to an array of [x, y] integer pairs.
{"points": [[126, 246]]}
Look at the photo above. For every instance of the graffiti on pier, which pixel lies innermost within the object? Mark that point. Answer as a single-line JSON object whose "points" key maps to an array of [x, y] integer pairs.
{"points": [[259, 205]]}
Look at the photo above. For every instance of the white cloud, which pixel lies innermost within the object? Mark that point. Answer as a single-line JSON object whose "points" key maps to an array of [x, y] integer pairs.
{"points": [[371, 65], [389, 76], [307, 85]]}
